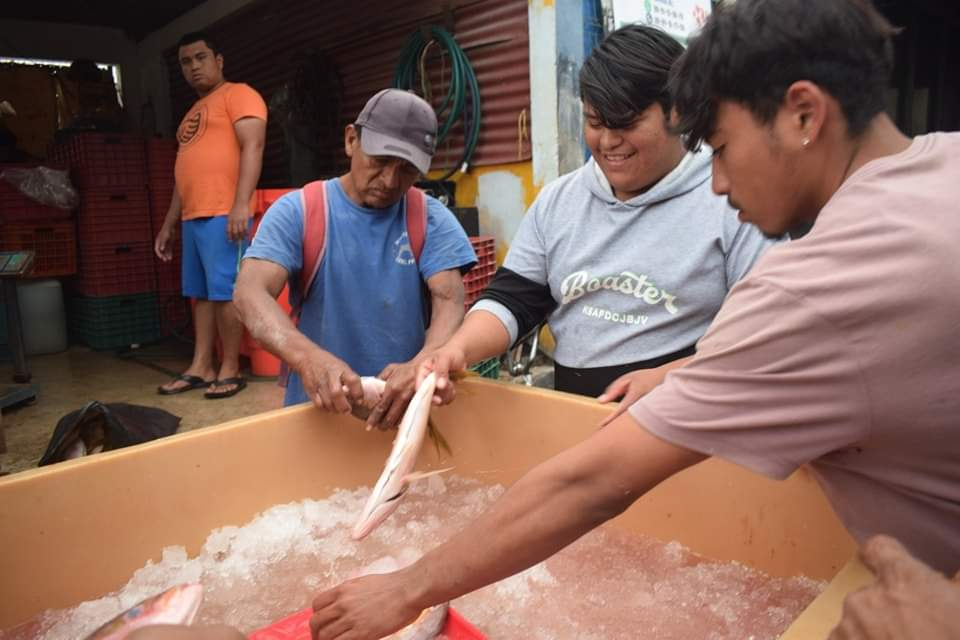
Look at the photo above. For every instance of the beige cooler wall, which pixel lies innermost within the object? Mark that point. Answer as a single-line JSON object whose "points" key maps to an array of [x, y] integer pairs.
{"points": [[78, 530]]}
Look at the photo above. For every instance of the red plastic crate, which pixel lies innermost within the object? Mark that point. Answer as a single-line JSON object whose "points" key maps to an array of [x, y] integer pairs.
{"points": [[55, 246], [112, 269], [485, 247], [297, 627], [169, 274], [98, 160], [116, 231], [478, 285], [120, 199], [481, 242], [17, 207], [114, 217], [266, 197], [175, 315], [480, 272], [160, 149]]}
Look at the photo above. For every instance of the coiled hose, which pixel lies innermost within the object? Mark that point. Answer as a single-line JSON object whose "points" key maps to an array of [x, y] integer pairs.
{"points": [[454, 106]]}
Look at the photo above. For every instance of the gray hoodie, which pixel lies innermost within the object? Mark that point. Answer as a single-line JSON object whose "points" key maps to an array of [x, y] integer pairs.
{"points": [[634, 280]]}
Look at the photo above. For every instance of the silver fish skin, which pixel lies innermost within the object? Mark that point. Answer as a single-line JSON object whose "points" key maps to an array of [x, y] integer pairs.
{"points": [[427, 627], [398, 472]]}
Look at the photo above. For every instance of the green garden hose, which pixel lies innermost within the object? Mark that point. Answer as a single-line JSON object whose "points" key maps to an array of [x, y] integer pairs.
{"points": [[454, 105]]}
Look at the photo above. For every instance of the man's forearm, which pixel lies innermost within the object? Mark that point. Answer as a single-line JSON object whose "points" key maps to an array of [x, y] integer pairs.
{"points": [[271, 327], [445, 318], [545, 511], [251, 161], [481, 336], [174, 210]]}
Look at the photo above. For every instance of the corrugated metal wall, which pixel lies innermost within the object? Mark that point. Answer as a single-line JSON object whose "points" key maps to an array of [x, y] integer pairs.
{"points": [[364, 40]]}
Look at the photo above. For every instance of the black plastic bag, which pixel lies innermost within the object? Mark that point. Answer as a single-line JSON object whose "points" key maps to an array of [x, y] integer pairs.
{"points": [[104, 427]]}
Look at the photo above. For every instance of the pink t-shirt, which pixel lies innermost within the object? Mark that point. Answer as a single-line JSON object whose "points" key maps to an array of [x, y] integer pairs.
{"points": [[842, 350]]}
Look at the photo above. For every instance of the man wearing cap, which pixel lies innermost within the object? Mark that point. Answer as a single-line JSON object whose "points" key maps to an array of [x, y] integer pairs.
{"points": [[366, 311]]}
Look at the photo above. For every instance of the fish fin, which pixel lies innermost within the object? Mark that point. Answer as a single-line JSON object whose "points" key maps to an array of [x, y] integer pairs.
{"points": [[413, 476], [439, 442]]}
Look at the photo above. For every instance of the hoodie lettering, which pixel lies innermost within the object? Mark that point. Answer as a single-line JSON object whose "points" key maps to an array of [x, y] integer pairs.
{"points": [[578, 284]]}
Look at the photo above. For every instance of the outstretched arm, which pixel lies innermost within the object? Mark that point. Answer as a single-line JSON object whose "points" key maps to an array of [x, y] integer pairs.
{"points": [[550, 507]]}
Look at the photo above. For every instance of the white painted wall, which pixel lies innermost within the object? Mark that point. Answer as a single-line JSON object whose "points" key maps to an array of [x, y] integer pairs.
{"points": [[501, 201], [545, 128]]}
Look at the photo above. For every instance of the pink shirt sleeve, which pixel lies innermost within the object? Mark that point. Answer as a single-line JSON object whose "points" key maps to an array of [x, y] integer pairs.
{"points": [[774, 385]]}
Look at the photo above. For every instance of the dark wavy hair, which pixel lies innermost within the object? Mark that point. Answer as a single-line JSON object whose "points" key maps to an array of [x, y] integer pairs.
{"points": [[751, 51], [628, 72]]}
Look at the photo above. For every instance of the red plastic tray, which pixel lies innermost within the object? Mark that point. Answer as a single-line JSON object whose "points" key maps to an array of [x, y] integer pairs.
{"points": [[55, 245], [297, 627]]}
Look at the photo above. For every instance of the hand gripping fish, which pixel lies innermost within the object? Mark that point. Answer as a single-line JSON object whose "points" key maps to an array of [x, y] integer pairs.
{"points": [[372, 393], [398, 473], [177, 605], [431, 621]]}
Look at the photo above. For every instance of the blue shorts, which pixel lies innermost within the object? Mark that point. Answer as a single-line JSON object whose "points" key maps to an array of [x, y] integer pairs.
{"points": [[210, 260]]}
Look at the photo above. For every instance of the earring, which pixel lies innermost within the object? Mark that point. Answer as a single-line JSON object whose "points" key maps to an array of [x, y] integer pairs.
{"points": [[805, 142]]}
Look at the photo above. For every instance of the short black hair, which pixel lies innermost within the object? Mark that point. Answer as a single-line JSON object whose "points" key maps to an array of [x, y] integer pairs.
{"points": [[628, 72], [751, 51], [198, 36]]}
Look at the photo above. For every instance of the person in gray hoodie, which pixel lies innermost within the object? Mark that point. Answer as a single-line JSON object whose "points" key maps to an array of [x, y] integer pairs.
{"points": [[629, 257]]}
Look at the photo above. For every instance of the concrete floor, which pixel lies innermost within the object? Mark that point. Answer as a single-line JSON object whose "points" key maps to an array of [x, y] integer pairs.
{"points": [[66, 381]]}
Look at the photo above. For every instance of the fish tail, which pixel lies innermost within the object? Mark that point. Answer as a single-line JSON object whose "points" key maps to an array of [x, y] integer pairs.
{"points": [[439, 442]]}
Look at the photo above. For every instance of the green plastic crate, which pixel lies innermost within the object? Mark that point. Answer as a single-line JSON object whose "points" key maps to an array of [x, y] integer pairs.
{"points": [[114, 322], [488, 368]]}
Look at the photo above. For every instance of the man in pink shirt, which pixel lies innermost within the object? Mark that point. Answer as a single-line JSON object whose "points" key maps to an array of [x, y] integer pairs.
{"points": [[839, 351]]}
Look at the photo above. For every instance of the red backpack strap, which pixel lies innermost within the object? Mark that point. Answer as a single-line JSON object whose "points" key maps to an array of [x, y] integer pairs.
{"points": [[313, 197], [416, 221], [313, 200]]}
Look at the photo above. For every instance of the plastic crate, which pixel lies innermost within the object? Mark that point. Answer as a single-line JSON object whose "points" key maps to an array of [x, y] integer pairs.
{"points": [[485, 247], [161, 154], [54, 245], [119, 200], [99, 160], [489, 368], [113, 269], [114, 216], [266, 197], [480, 272], [297, 627], [17, 207], [115, 321], [477, 285], [117, 230], [174, 313], [170, 274]]}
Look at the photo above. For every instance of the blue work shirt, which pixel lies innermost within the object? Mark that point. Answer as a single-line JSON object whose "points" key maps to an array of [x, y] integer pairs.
{"points": [[366, 305]]}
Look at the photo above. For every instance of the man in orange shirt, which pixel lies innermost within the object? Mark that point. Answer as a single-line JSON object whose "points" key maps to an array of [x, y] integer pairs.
{"points": [[218, 164]]}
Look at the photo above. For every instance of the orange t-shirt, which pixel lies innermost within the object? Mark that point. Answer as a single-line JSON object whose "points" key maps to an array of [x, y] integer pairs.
{"points": [[208, 158]]}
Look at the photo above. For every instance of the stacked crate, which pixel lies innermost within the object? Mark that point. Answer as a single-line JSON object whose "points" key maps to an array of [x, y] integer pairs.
{"points": [[174, 308], [48, 231], [477, 279], [114, 300], [474, 282], [26, 224]]}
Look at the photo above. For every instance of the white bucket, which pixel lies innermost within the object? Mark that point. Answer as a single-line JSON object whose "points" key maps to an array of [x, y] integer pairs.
{"points": [[42, 316]]}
